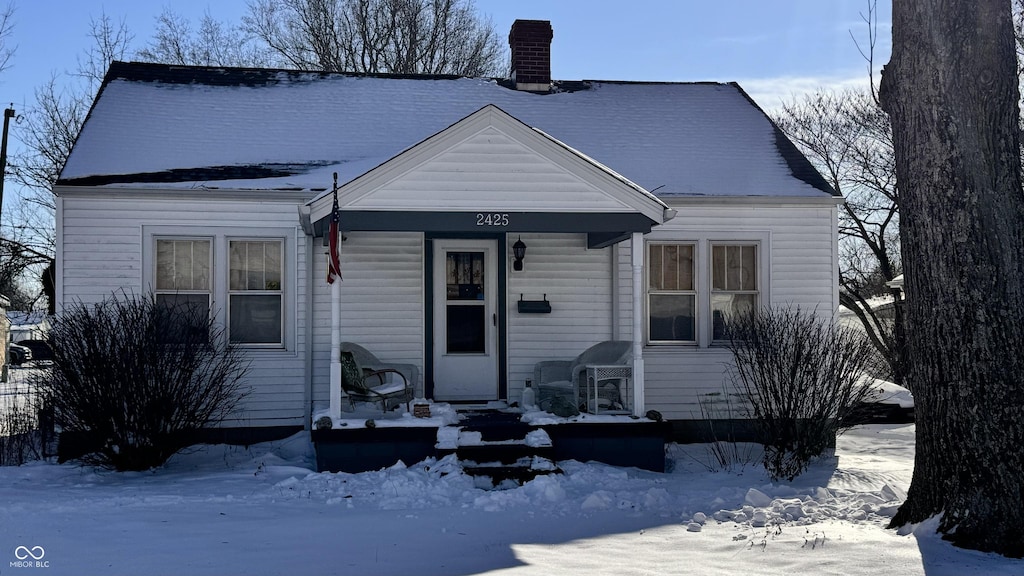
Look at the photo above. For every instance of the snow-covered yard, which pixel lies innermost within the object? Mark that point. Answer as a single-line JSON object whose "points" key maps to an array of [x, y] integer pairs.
{"points": [[231, 510]]}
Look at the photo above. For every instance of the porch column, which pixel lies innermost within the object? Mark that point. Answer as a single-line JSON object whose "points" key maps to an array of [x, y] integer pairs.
{"points": [[335, 382], [638, 332]]}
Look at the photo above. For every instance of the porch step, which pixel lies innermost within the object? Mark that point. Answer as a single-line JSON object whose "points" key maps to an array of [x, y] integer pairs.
{"points": [[521, 471], [495, 426], [503, 453], [496, 445]]}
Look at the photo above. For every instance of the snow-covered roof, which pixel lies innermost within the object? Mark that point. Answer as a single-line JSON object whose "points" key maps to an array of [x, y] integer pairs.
{"points": [[29, 318], [195, 127]]}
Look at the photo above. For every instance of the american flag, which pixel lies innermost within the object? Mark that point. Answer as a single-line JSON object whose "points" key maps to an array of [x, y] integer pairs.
{"points": [[333, 264]]}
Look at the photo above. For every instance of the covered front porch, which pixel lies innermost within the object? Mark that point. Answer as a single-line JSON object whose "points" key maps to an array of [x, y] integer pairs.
{"points": [[476, 256], [512, 236]]}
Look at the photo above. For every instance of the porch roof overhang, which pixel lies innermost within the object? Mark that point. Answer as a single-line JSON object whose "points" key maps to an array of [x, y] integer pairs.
{"points": [[602, 229], [489, 172]]}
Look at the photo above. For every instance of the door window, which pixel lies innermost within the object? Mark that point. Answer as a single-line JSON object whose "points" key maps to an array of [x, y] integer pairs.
{"points": [[465, 308]]}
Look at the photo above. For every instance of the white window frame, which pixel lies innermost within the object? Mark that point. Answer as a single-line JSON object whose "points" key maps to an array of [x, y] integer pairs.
{"points": [[651, 292], [220, 271], [756, 292], [208, 291], [280, 292], [704, 239]]}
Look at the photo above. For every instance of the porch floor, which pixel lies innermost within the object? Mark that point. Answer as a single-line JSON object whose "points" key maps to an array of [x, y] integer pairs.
{"points": [[494, 434]]}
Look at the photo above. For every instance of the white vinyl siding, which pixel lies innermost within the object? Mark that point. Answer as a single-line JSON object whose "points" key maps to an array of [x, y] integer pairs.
{"points": [[107, 246], [383, 297], [796, 259], [101, 252], [381, 302], [577, 281], [518, 179]]}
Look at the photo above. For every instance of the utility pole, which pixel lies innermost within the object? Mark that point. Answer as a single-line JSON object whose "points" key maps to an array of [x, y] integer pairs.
{"points": [[8, 114]]}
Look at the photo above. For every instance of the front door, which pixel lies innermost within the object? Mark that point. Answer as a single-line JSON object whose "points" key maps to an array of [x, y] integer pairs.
{"points": [[465, 320]]}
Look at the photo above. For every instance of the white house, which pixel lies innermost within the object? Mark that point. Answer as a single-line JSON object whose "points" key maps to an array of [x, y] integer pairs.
{"points": [[33, 325], [647, 211]]}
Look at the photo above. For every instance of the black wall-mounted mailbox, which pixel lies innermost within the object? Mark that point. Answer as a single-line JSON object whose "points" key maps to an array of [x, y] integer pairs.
{"points": [[534, 306]]}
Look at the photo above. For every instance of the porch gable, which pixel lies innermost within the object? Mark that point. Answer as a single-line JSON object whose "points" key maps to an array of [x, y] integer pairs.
{"points": [[491, 172]]}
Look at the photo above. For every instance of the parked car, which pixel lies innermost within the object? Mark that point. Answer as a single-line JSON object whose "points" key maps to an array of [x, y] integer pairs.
{"points": [[40, 349], [18, 354]]}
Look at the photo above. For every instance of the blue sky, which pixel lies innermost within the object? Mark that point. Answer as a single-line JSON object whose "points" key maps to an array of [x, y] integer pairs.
{"points": [[773, 49]]}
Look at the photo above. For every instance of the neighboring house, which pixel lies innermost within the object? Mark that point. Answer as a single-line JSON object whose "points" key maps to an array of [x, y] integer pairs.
{"points": [[33, 325], [648, 210], [896, 285]]}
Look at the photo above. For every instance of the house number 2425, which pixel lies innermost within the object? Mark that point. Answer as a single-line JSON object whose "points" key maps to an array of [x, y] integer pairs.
{"points": [[492, 219]]}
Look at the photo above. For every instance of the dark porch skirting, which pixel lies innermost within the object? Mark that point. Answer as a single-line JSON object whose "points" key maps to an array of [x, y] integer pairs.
{"points": [[639, 444], [365, 449]]}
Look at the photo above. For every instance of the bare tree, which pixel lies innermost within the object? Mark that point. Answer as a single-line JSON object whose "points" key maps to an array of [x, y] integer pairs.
{"points": [[951, 90], [48, 130], [110, 41], [849, 139], [378, 36], [6, 29], [16, 260], [26, 255], [212, 43]]}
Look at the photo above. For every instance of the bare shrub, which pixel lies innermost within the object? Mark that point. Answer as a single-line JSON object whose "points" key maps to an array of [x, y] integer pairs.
{"points": [[20, 440], [137, 376], [723, 448], [803, 376]]}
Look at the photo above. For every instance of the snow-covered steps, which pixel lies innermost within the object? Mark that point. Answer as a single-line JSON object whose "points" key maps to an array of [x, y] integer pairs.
{"points": [[496, 447], [502, 475], [495, 425]]}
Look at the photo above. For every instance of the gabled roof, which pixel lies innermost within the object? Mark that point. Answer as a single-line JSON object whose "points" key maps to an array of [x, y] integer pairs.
{"points": [[165, 126], [489, 161]]}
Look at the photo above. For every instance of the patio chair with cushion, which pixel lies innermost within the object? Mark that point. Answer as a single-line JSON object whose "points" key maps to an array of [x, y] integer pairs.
{"points": [[364, 378], [562, 384]]}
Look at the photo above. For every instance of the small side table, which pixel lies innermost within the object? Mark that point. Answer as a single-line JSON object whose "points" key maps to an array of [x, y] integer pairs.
{"points": [[610, 384]]}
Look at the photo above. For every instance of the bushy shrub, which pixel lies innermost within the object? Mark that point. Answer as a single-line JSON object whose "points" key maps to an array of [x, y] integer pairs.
{"points": [[803, 376], [137, 376]]}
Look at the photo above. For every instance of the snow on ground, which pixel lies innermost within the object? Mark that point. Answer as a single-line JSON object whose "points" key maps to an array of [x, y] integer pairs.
{"points": [[262, 510]]}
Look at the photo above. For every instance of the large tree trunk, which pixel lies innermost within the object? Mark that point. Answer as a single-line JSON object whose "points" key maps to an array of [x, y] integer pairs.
{"points": [[951, 92]]}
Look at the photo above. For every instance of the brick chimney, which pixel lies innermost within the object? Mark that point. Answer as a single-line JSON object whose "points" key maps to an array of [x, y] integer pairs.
{"points": [[530, 41]]}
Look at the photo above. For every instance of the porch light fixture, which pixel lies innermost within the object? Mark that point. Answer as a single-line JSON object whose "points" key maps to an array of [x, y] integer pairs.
{"points": [[518, 252]]}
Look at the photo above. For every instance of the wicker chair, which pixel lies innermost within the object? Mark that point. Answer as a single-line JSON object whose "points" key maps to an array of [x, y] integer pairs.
{"points": [[559, 382], [364, 378]]}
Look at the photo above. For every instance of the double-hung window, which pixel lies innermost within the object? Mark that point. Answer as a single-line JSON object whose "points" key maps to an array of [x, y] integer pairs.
{"points": [[695, 286], [255, 297], [183, 272], [671, 294], [734, 283]]}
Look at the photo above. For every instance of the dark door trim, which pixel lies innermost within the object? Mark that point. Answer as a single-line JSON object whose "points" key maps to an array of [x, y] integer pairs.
{"points": [[428, 305]]}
